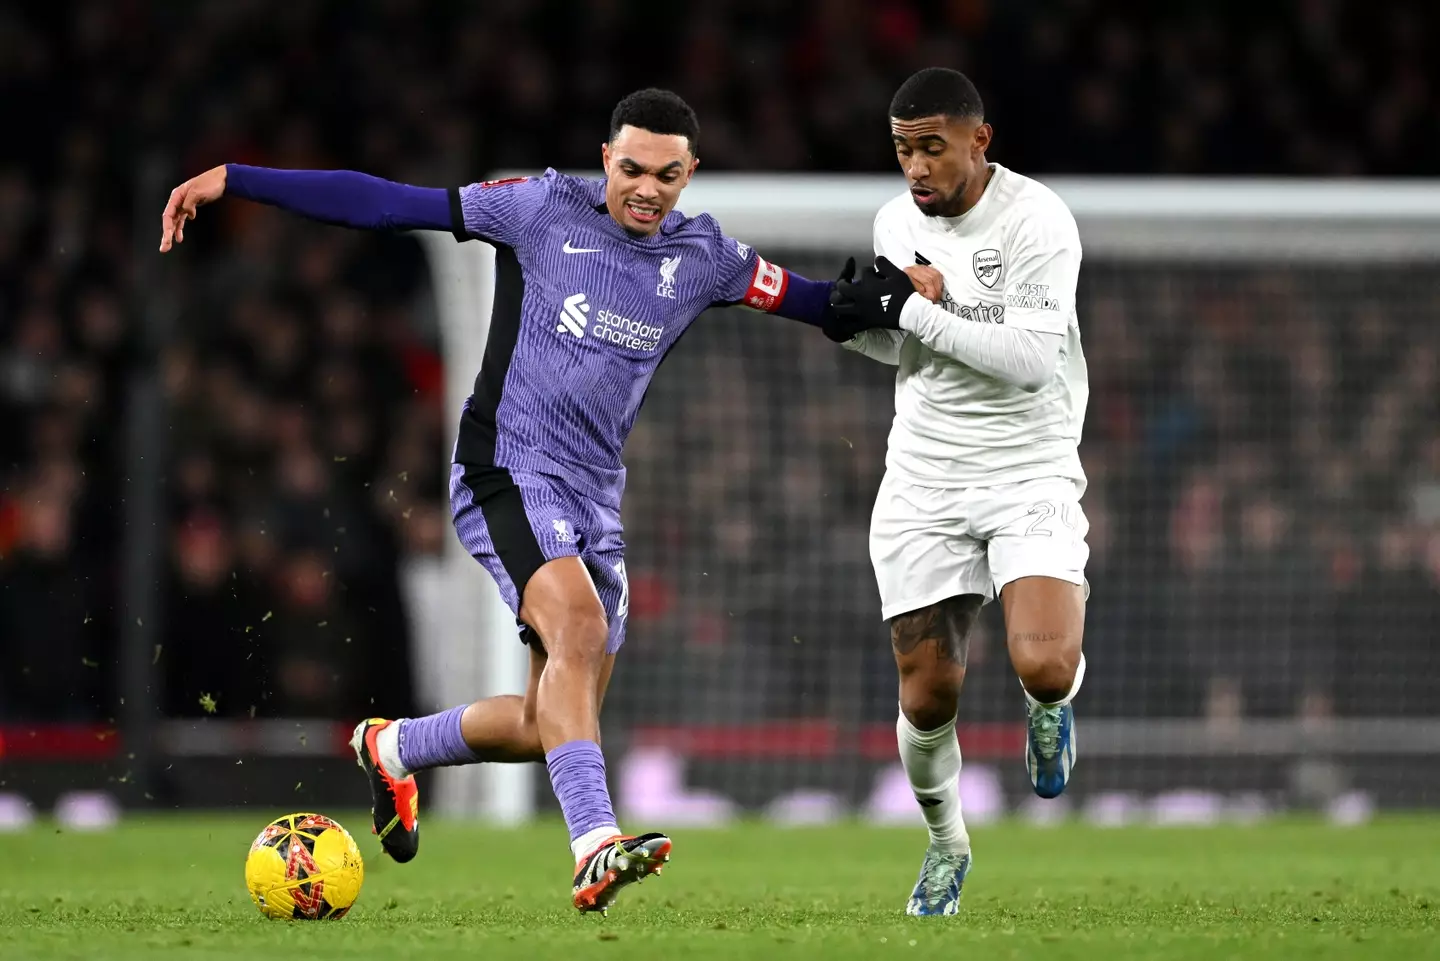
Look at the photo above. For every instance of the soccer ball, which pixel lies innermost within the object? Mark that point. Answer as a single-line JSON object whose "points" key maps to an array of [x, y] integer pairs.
{"points": [[304, 867]]}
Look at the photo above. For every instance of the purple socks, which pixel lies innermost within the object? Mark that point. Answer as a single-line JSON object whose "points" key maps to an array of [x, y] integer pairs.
{"points": [[434, 741], [577, 768], [577, 772]]}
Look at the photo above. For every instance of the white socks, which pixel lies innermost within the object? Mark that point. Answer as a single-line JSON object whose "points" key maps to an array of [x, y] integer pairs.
{"points": [[932, 762], [1074, 688], [591, 840], [387, 745]]}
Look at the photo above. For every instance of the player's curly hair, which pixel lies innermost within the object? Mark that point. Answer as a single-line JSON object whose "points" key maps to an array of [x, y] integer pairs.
{"points": [[937, 92], [658, 111]]}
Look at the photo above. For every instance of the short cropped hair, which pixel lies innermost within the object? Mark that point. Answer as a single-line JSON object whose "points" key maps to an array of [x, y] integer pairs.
{"points": [[937, 92], [658, 111]]}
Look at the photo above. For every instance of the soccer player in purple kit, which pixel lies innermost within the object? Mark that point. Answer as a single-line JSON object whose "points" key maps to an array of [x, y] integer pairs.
{"points": [[596, 281]]}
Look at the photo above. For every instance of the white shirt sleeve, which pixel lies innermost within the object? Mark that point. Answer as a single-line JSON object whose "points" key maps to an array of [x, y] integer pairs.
{"points": [[881, 345], [1042, 254], [1025, 358]]}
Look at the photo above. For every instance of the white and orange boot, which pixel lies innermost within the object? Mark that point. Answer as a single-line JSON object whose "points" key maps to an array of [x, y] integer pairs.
{"points": [[617, 862]]}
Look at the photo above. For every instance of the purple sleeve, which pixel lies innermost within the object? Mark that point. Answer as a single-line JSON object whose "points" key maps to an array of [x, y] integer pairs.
{"points": [[342, 197], [502, 211], [805, 300], [744, 277]]}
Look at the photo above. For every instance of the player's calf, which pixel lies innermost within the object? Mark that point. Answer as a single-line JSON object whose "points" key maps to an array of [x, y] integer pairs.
{"points": [[930, 646], [932, 765], [561, 605]]}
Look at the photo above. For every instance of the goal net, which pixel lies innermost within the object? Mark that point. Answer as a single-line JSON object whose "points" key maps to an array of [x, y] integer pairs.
{"points": [[1263, 448]]}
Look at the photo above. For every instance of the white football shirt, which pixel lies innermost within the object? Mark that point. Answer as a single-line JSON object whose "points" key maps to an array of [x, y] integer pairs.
{"points": [[1014, 259]]}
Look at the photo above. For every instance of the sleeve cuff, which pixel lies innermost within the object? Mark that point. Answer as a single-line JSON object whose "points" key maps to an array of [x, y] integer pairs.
{"points": [[235, 185], [457, 216], [912, 312]]}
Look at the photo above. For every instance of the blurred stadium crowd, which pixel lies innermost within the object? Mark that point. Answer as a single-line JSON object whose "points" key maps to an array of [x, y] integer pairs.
{"points": [[1263, 448], [1264, 464]]}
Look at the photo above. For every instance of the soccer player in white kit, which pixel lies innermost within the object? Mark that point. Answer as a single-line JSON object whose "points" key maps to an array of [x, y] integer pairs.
{"points": [[981, 496]]}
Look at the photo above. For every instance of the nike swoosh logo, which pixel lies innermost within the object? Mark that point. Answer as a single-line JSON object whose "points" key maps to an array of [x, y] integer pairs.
{"points": [[579, 250]]}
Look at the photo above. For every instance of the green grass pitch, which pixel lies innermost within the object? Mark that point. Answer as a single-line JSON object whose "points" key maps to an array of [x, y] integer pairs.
{"points": [[172, 887]]}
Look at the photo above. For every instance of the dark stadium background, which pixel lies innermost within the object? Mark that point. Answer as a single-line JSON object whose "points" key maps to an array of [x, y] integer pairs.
{"points": [[1265, 466]]}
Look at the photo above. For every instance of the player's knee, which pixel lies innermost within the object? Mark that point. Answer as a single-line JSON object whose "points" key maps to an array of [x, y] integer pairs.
{"points": [[578, 637], [929, 695], [1047, 670], [930, 709]]}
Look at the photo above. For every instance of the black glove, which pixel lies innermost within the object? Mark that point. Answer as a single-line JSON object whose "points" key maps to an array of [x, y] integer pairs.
{"points": [[874, 300]]}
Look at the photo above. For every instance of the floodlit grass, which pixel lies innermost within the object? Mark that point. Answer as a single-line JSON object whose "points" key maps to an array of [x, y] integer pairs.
{"points": [[172, 887]]}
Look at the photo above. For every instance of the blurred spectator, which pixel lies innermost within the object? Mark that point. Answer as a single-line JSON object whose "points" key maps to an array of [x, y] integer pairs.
{"points": [[47, 616], [211, 639], [1194, 596], [1260, 440], [1389, 625], [1276, 617]]}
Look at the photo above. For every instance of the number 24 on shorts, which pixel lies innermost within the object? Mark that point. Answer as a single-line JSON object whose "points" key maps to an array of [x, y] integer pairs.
{"points": [[1044, 512]]}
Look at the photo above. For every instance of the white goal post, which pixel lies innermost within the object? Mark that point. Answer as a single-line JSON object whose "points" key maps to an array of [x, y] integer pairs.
{"points": [[1121, 219]]}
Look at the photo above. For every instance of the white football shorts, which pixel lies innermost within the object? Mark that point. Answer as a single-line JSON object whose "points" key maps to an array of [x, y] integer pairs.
{"points": [[930, 543]]}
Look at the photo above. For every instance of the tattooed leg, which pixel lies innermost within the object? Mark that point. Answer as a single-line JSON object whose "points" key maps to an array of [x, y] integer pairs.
{"points": [[930, 647]]}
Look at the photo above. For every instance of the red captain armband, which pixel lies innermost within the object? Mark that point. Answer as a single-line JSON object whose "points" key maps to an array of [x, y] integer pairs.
{"points": [[502, 183], [767, 286]]}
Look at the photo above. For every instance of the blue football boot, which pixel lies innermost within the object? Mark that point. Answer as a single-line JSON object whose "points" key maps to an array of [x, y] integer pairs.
{"points": [[941, 878], [1050, 747]]}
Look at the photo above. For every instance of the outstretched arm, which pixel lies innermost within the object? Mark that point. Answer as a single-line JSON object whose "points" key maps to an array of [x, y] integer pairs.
{"points": [[744, 277], [342, 197], [804, 299], [747, 278]]}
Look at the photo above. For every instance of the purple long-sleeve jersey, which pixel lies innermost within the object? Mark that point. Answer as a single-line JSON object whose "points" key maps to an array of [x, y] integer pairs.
{"points": [[584, 312]]}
